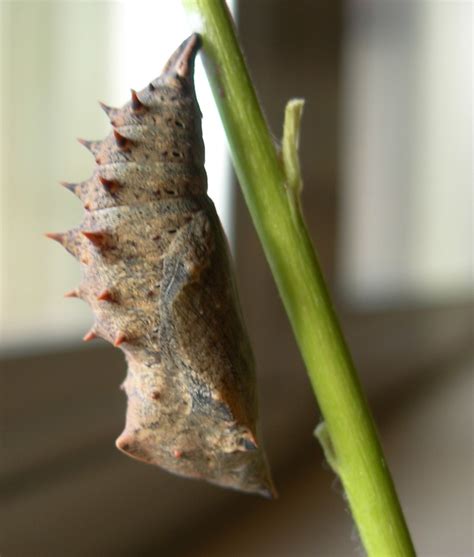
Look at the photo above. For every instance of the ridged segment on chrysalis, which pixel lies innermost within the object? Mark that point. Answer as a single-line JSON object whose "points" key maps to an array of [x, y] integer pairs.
{"points": [[156, 272]]}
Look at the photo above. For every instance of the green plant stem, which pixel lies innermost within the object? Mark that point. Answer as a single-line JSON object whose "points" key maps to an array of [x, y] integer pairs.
{"points": [[270, 182]]}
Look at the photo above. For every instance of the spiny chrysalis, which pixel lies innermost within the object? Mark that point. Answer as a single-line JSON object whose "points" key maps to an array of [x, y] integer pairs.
{"points": [[156, 272]]}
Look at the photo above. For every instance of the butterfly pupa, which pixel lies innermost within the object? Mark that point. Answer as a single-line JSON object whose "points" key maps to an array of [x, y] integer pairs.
{"points": [[157, 274]]}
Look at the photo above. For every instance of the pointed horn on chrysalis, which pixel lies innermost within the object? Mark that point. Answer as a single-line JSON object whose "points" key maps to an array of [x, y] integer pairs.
{"points": [[181, 61], [137, 105], [92, 146], [112, 186], [90, 335], [120, 338], [124, 442], [69, 186], [57, 237], [123, 143], [97, 238], [106, 296], [109, 110], [72, 294]]}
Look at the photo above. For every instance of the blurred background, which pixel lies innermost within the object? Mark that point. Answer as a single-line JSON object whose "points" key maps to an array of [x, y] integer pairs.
{"points": [[387, 159]]}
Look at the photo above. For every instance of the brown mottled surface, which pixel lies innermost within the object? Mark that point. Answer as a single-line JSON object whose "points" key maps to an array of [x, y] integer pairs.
{"points": [[157, 275]]}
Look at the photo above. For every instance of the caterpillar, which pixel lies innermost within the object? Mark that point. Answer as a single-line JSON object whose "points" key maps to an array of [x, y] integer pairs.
{"points": [[156, 272]]}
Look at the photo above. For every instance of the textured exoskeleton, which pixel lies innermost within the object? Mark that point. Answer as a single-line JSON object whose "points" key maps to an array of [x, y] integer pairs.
{"points": [[156, 271]]}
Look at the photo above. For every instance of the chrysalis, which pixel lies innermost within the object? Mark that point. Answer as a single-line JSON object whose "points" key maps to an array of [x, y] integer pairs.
{"points": [[156, 272]]}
